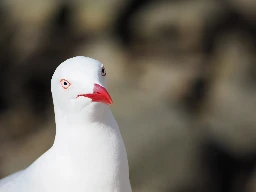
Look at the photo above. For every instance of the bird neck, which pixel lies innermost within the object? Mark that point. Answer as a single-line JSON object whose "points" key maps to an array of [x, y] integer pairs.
{"points": [[73, 129], [90, 146], [94, 112]]}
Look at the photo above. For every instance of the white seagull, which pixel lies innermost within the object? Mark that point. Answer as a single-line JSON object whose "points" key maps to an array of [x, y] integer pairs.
{"points": [[88, 154]]}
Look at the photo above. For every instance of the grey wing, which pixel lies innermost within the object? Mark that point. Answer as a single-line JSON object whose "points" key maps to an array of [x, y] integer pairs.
{"points": [[9, 178]]}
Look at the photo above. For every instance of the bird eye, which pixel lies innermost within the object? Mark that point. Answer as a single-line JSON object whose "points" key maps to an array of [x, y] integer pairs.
{"points": [[103, 71], [64, 83]]}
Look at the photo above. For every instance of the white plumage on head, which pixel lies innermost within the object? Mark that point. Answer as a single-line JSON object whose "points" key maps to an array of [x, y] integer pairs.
{"points": [[88, 154]]}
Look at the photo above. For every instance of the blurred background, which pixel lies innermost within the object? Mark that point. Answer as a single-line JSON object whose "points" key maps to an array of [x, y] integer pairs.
{"points": [[182, 74]]}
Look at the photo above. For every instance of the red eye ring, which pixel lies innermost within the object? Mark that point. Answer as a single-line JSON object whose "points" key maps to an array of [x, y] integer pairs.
{"points": [[65, 83]]}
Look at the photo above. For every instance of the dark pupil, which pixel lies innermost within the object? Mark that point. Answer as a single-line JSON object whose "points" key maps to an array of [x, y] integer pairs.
{"points": [[103, 70], [65, 83]]}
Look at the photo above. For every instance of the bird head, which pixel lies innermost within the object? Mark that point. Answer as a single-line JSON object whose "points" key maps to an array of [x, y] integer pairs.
{"points": [[79, 82]]}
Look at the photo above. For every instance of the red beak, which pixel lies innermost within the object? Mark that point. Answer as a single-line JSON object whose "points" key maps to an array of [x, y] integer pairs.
{"points": [[100, 94]]}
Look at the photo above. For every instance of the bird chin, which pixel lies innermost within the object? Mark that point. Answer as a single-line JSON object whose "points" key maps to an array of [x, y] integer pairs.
{"points": [[84, 103], [81, 103]]}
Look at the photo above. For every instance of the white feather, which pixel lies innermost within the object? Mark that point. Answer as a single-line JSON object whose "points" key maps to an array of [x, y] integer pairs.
{"points": [[88, 154]]}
